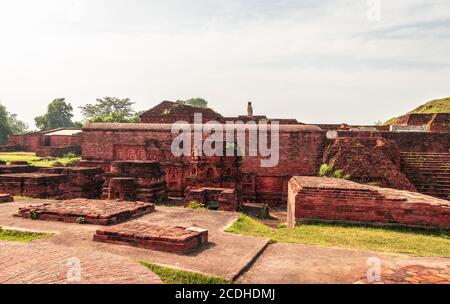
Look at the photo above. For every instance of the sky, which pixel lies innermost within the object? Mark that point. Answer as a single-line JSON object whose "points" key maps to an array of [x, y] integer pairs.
{"points": [[316, 61]]}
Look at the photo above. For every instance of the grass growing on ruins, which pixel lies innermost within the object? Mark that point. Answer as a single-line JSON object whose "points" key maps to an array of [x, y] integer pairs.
{"points": [[393, 240], [36, 160], [175, 276], [21, 236]]}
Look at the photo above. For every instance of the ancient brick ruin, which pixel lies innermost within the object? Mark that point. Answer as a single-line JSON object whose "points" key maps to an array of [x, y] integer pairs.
{"points": [[134, 162], [6, 198], [171, 239], [52, 182], [226, 199], [83, 211], [315, 198], [135, 180], [50, 143]]}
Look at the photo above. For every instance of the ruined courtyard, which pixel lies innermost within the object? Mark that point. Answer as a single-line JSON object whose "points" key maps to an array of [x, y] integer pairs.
{"points": [[131, 200]]}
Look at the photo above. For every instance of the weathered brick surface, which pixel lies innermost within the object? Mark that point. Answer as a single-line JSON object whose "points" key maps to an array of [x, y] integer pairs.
{"points": [[409, 141], [98, 212], [33, 184], [413, 274], [300, 150], [429, 172], [368, 160], [7, 169], [135, 180], [179, 240], [6, 198], [341, 200], [43, 262], [55, 182], [227, 199]]}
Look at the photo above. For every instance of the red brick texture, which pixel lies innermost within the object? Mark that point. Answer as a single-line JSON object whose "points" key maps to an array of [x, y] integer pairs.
{"points": [[97, 212], [429, 172], [301, 149], [135, 180], [227, 199], [52, 182], [409, 141], [178, 240], [315, 198], [6, 198], [368, 160]]}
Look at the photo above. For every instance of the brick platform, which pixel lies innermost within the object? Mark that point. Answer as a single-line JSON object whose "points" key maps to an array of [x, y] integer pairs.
{"points": [[333, 199], [171, 239], [6, 198], [98, 212]]}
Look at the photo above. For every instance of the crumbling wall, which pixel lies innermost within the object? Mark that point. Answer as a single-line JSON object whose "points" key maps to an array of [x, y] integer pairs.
{"points": [[316, 198], [368, 160]]}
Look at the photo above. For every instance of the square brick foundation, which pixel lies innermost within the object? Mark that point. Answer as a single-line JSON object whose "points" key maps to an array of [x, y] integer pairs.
{"points": [[97, 212], [178, 240], [6, 198]]}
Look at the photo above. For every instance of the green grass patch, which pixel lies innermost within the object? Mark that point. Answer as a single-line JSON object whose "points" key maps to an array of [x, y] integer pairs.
{"points": [[431, 107], [175, 276], [410, 241], [36, 160], [21, 236]]}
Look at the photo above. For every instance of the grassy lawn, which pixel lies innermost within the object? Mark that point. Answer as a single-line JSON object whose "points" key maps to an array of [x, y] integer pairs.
{"points": [[21, 236], [35, 160], [175, 276], [394, 240]]}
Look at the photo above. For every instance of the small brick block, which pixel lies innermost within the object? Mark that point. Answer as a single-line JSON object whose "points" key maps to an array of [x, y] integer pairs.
{"points": [[173, 239]]}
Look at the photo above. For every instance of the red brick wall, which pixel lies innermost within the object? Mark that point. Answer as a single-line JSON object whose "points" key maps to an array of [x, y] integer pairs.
{"points": [[339, 200], [300, 152], [410, 141]]}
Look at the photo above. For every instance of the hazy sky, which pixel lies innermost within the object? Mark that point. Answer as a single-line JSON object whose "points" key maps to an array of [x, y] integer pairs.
{"points": [[316, 61]]}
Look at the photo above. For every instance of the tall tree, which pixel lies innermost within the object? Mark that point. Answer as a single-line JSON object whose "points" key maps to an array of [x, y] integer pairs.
{"points": [[4, 126], [195, 102], [110, 109], [9, 125], [59, 115]]}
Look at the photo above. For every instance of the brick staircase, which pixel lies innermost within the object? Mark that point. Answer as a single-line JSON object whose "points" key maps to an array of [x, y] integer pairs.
{"points": [[429, 172]]}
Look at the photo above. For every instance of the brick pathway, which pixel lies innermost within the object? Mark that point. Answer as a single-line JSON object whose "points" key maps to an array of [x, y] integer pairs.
{"points": [[414, 274], [41, 262]]}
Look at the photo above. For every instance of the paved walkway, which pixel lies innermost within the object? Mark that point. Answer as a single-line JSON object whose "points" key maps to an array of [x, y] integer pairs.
{"points": [[226, 254], [43, 263], [46, 260], [305, 264]]}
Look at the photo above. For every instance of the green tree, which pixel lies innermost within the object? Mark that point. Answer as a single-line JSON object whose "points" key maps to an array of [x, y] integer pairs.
{"points": [[9, 124], [59, 115], [4, 126], [195, 102], [109, 109], [17, 126]]}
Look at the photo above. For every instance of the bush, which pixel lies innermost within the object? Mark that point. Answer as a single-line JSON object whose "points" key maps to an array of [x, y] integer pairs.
{"points": [[196, 205], [71, 155], [327, 170]]}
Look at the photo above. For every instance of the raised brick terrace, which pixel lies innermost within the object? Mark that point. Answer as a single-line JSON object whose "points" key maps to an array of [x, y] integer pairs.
{"points": [[341, 200], [174, 239], [6, 198], [429, 172], [98, 212]]}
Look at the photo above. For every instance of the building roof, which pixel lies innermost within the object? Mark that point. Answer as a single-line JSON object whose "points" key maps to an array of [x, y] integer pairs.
{"points": [[64, 132]]}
